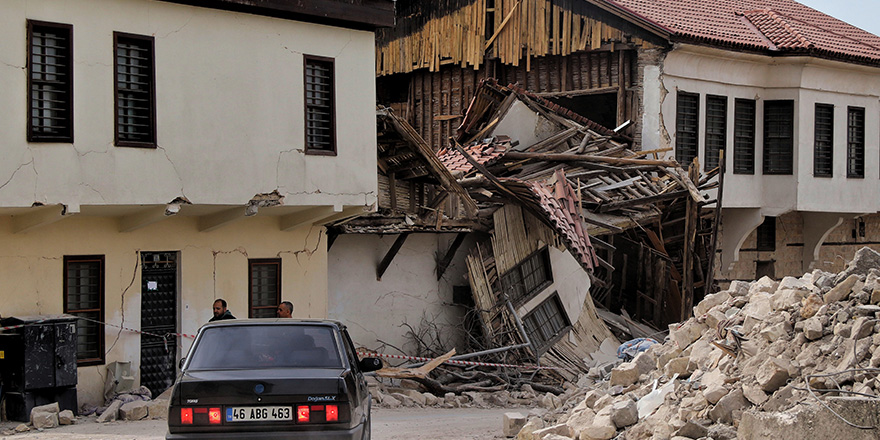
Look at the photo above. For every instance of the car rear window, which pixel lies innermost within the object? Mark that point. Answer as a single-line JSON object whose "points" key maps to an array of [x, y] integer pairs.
{"points": [[266, 346]]}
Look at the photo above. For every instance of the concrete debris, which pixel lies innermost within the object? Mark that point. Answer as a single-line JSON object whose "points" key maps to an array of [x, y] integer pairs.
{"points": [[752, 364], [66, 417], [513, 423], [45, 416], [111, 413]]}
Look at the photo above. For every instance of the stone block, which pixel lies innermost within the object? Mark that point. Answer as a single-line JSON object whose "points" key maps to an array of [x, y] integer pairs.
{"points": [[764, 285], [603, 402], [792, 283], [714, 316], [158, 409], [813, 328], [687, 333], [738, 288], [513, 423], [137, 410], [111, 413], [864, 260], [759, 306], [555, 437], [432, 400], [729, 407], [602, 429], [771, 375], [862, 327], [680, 366], [875, 296], [592, 396], [624, 413], [580, 420], [392, 402], [777, 332], [811, 305], [787, 299], [842, 290], [645, 362], [66, 417], [665, 353], [417, 396], [44, 420], [714, 393], [754, 394], [692, 429], [560, 429], [625, 374], [528, 431], [710, 301], [814, 421]]}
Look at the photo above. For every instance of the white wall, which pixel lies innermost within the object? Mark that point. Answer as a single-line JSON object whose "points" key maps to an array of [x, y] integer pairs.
{"points": [[230, 109], [802, 79], [570, 282], [408, 293]]}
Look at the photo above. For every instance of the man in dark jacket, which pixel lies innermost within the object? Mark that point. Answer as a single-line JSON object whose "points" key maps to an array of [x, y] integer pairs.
{"points": [[220, 312]]}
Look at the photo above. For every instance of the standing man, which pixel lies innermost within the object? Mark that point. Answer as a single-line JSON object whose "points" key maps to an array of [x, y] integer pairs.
{"points": [[220, 312], [285, 310]]}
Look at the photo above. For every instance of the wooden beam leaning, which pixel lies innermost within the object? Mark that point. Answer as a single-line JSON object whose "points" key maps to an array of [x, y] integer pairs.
{"points": [[147, 217], [386, 261], [39, 216], [562, 157], [443, 264]]}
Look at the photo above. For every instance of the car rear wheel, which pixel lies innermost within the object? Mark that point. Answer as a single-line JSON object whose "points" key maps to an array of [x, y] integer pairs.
{"points": [[367, 429]]}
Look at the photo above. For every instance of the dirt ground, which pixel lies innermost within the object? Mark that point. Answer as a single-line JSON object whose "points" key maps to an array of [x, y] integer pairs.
{"points": [[388, 424]]}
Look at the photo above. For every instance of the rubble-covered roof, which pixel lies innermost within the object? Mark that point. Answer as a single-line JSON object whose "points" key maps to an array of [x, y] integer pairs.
{"points": [[483, 152], [781, 26]]}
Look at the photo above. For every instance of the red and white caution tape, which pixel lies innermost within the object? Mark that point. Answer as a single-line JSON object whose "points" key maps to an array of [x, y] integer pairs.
{"points": [[468, 363]]}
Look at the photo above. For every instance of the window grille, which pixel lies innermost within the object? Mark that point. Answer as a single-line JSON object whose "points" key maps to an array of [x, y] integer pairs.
{"points": [[716, 129], [84, 297], [855, 142], [779, 137], [823, 149], [744, 136], [50, 82], [320, 106], [546, 322], [687, 127], [264, 287], [135, 91], [528, 278]]}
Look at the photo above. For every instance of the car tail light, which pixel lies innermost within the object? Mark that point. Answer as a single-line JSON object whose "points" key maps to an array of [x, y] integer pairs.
{"points": [[332, 413], [302, 414], [214, 416], [186, 416]]}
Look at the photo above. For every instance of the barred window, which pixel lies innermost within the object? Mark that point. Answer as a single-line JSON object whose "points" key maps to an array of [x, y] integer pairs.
{"points": [[687, 127], [84, 297], [135, 91], [779, 137], [264, 287], [716, 128], [320, 106], [766, 235], [546, 322], [823, 147], [744, 136], [855, 142], [50, 82], [528, 278]]}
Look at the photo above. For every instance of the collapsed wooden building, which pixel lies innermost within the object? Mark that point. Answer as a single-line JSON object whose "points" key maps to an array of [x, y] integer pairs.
{"points": [[568, 226]]}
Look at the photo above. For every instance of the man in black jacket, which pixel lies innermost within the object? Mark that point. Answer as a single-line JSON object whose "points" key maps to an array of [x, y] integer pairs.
{"points": [[220, 312]]}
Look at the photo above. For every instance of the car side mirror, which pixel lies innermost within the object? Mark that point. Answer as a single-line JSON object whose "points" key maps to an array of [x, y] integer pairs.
{"points": [[182, 361], [368, 364]]}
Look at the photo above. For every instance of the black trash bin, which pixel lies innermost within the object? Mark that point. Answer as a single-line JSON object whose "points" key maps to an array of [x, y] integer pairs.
{"points": [[38, 363]]}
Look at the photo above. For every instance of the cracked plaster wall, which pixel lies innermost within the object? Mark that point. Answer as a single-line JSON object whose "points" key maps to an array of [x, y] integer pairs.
{"points": [[229, 106], [408, 293], [806, 81], [212, 265]]}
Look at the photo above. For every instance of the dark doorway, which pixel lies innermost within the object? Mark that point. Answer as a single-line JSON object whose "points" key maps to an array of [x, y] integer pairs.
{"points": [[599, 108], [158, 317]]}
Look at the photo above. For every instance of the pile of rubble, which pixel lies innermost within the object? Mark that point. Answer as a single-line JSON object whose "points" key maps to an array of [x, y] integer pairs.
{"points": [[798, 358]]}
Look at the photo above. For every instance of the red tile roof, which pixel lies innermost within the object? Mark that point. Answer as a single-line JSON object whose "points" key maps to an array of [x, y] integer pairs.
{"points": [[774, 25], [483, 153]]}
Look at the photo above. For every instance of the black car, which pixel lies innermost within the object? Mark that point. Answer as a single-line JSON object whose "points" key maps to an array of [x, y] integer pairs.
{"points": [[272, 379]]}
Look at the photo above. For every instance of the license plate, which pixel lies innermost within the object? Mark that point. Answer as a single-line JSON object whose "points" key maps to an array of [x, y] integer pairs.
{"points": [[259, 413]]}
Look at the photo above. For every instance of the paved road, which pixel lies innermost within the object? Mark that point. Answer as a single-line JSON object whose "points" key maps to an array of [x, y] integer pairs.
{"points": [[388, 424]]}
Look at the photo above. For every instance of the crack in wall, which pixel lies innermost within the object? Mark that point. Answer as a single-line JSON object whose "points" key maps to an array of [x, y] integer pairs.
{"points": [[14, 66], [238, 250], [188, 20], [342, 49], [30, 162], [122, 300], [305, 248], [176, 171]]}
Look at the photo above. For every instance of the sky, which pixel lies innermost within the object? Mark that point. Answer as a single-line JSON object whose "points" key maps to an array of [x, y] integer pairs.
{"points": [[863, 14]]}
